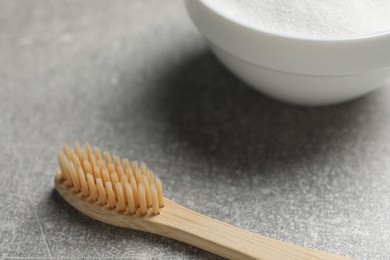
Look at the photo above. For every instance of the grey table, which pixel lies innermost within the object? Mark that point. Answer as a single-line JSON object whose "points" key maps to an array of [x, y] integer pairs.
{"points": [[136, 79]]}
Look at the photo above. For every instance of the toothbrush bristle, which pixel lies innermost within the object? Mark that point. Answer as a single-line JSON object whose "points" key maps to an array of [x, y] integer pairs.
{"points": [[108, 180]]}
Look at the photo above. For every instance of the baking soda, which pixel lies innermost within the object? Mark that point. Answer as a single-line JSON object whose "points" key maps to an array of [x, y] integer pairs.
{"points": [[312, 18]]}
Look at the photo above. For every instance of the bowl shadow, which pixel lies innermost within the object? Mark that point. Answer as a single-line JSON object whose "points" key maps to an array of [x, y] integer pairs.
{"points": [[223, 121]]}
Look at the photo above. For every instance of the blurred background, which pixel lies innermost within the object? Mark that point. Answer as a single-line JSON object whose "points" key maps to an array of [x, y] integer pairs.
{"points": [[136, 79]]}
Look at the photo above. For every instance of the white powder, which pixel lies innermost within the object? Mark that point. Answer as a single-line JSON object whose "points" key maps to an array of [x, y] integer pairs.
{"points": [[315, 18]]}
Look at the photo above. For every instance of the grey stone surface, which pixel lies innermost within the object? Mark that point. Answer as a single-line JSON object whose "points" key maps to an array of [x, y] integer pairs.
{"points": [[135, 78]]}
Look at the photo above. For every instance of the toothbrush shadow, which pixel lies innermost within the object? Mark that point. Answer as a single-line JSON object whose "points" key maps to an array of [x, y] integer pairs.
{"points": [[95, 239]]}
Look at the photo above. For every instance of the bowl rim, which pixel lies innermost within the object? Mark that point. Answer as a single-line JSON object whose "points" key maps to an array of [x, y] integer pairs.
{"points": [[309, 56], [292, 36]]}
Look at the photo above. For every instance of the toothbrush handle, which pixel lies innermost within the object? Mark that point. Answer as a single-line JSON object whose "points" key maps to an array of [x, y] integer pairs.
{"points": [[223, 239], [177, 222]]}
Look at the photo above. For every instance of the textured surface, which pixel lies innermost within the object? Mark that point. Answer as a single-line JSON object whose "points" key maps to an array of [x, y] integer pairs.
{"points": [[135, 78]]}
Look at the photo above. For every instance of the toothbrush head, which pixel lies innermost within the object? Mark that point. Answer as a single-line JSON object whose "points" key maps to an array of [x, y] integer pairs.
{"points": [[109, 181]]}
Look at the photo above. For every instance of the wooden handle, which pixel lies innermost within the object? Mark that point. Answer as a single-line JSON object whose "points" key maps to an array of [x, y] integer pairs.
{"points": [[226, 240], [177, 222]]}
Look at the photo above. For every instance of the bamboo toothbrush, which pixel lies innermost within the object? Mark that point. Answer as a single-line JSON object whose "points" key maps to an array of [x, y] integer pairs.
{"points": [[128, 195]]}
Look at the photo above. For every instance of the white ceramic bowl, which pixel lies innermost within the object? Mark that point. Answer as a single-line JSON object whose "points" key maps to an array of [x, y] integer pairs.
{"points": [[309, 71]]}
